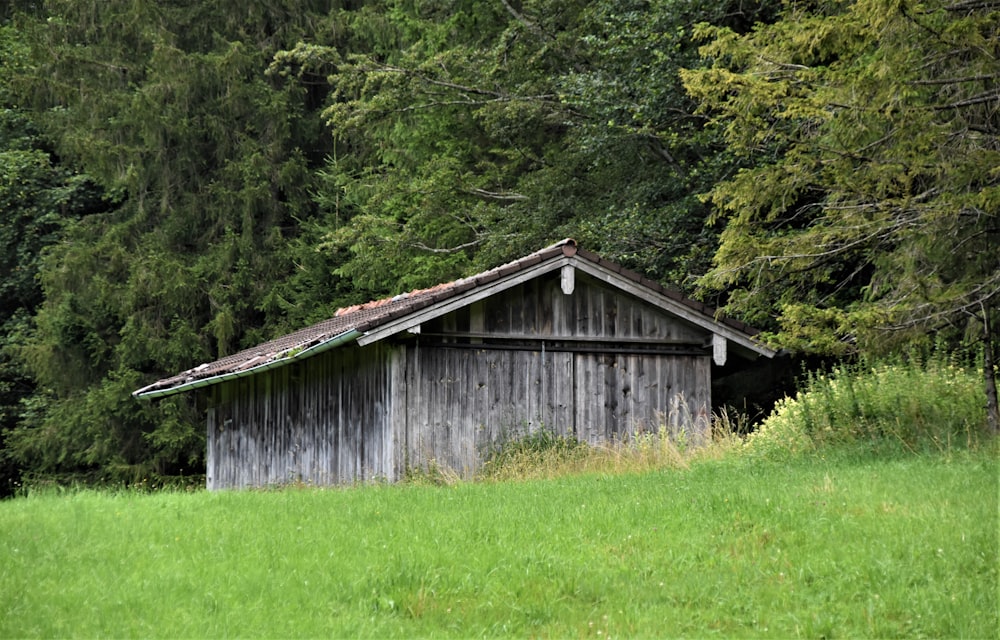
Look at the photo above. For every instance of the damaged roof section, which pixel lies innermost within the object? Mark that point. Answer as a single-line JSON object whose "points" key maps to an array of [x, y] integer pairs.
{"points": [[351, 322]]}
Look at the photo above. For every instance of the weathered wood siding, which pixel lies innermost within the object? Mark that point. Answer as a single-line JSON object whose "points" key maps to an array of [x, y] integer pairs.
{"points": [[460, 401], [322, 421], [539, 308], [597, 364]]}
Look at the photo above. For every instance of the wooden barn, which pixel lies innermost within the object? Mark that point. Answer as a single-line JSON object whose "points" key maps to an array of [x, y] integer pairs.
{"points": [[560, 339]]}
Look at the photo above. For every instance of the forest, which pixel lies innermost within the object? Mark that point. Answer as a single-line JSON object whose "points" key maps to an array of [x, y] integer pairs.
{"points": [[183, 179]]}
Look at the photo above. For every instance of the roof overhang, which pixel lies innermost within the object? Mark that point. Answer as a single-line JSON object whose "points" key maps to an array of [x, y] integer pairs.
{"points": [[748, 346], [150, 392], [564, 256]]}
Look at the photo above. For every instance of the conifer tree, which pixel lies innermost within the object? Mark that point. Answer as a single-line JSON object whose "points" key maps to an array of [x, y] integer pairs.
{"points": [[205, 163], [871, 216]]}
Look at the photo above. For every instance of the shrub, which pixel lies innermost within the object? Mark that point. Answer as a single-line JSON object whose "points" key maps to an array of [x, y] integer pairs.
{"points": [[916, 405]]}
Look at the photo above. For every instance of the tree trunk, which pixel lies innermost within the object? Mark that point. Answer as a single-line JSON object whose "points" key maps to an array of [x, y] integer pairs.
{"points": [[992, 408]]}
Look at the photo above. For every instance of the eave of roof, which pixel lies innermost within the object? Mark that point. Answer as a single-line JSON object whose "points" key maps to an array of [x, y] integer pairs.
{"points": [[351, 323]]}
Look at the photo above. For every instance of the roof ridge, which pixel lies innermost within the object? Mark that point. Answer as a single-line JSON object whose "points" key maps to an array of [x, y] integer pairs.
{"points": [[371, 304]]}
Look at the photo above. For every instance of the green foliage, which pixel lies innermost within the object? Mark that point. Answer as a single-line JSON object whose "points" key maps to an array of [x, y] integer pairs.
{"points": [[206, 161], [902, 548], [180, 180], [872, 203], [897, 405], [462, 139], [39, 197]]}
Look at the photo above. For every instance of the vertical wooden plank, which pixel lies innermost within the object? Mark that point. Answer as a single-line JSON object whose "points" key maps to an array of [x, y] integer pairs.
{"points": [[370, 414], [310, 398], [626, 415], [382, 393], [477, 320], [467, 415], [340, 399], [610, 303], [490, 395], [531, 365], [546, 299], [322, 413], [278, 425], [397, 413], [609, 365], [557, 410], [414, 403], [589, 398], [211, 432], [702, 381], [518, 396], [481, 400]]}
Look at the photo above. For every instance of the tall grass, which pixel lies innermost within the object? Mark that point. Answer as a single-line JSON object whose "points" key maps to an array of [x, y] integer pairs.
{"points": [[888, 407], [910, 406], [677, 439]]}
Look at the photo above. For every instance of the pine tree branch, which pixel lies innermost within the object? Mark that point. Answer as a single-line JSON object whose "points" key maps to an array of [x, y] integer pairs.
{"points": [[494, 195], [456, 249], [979, 99], [938, 81], [528, 24], [494, 96], [980, 296], [972, 5]]}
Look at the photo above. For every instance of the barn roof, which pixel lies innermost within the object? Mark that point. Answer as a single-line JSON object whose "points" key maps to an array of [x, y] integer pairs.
{"points": [[360, 322]]}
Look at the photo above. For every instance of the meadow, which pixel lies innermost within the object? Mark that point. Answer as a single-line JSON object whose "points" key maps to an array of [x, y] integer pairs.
{"points": [[818, 547], [885, 527]]}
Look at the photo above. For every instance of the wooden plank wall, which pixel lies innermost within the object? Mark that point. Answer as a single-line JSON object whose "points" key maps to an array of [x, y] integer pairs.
{"points": [[357, 413], [620, 395], [322, 421], [540, 308], [461, 399]]}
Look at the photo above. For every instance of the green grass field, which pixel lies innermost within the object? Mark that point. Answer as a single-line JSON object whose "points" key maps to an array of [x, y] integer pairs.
{"points": [[817, 547]]}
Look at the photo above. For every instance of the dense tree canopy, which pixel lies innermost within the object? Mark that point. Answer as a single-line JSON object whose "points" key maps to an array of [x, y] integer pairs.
{"points": [[205, 163], [38, 198], [875, 204], [481, 128], [871, 214], [183, 179]]}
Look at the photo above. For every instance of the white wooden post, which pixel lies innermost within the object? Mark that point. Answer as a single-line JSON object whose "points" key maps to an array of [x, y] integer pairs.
{"points": [[568, 279], [718, 349]]}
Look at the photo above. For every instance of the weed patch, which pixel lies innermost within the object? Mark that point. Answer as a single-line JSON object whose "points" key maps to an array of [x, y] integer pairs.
{"points": [[932, 406], [540, 453]]}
